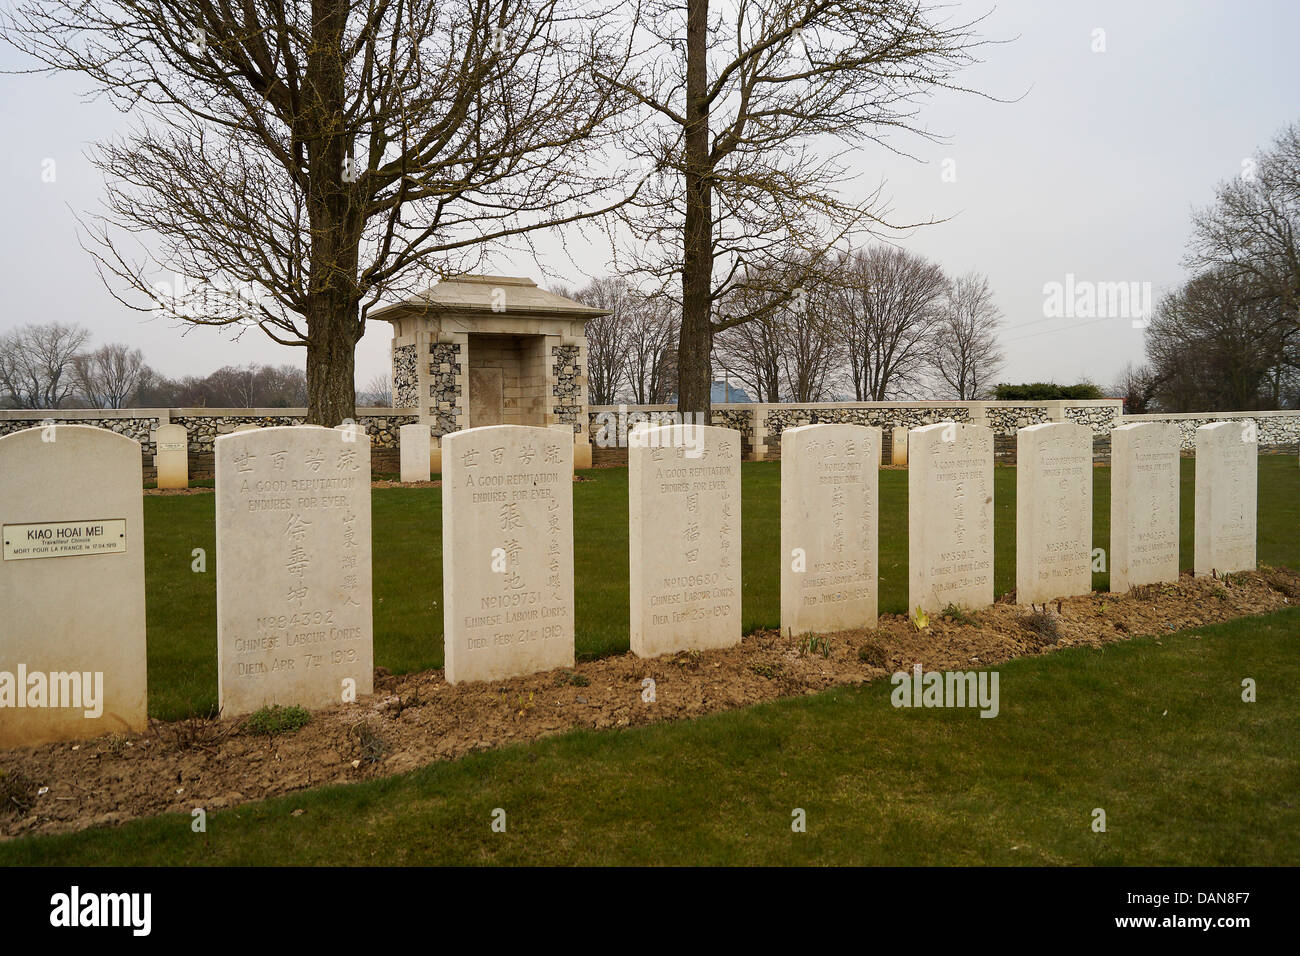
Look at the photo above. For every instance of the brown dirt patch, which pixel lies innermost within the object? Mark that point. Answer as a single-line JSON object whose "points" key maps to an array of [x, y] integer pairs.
{"points": [[415, 719]]}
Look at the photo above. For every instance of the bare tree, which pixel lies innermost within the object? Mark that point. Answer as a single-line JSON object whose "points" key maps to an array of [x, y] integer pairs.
{"points": [[1137, 386], [812, 351], [966, 355], [607, 336], [888, 310], [109, 376], [1222, 342], [36, 364], [652, 349], [791, 352], [1252, 230], [737, 91], [378, 391], [308, 159], [751, 351]]}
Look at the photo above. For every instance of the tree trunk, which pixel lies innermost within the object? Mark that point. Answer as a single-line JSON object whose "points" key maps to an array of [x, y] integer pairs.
{"points": [[695, 341], [334, 214], [331, 362]]}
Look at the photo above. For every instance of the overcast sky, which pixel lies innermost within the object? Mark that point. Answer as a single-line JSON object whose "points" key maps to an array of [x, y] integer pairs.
{"points": [[1093, 172]]}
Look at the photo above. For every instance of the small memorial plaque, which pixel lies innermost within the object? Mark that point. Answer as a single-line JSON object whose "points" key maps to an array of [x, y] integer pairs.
{"points": [[62, 539]]}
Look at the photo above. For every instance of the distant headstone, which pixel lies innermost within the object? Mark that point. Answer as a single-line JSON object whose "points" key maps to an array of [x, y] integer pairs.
{"points": [[414, 444], [581, 453], [684, 538], [172, 456], [507, 552], [72, 606], [294, 623], [1227, 465], [950, 516], [1143, 504], [829, 498], [581, 445], [1053, 512], [898, 444]]}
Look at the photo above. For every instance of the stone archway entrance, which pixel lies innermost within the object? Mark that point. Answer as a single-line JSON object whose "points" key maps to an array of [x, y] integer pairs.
{"points": [[491, 350]]}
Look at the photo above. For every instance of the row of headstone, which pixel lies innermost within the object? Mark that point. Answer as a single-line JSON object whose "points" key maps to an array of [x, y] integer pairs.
{"points": [[294, 548]]}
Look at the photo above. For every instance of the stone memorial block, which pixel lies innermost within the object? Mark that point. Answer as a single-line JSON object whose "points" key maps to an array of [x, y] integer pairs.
{"points": [[415, 446], [1143, 504], [581, 452], [830, 481], [507, 551], [950, 516], [72, 618], [684, 538], [898, 442], [1053, 512], [581, 444], [172, 458], [1227, 464], [294, 622]]}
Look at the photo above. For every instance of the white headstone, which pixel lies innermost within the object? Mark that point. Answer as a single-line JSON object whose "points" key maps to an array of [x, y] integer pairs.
{"points": [[172, 456], [246, 427], [950, 516], [898, 444], [1227, 465], [414, 445], [1053, 512], [507, 552], [581, 444], [829, 493], [294, 623], [684, 538], [1143, 504], [72, 607]]}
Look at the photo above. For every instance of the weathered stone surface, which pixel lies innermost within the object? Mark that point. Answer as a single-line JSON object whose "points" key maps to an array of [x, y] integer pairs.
{"points": [[507, 552], [416, 452], [898, 439], [294, 623], [950, 516], [684, 537], [1227, 465], [72, 604], [829, 499], [172, 458], [1053, 512], [1143, 505]]}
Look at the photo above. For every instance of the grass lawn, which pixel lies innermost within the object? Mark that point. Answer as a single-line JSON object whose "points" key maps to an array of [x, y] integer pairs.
{"points": [[408, 566], [1155, 734]]}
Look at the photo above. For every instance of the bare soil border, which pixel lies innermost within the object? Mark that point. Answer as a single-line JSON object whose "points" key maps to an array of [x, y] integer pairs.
{"points": [[415, 719]]}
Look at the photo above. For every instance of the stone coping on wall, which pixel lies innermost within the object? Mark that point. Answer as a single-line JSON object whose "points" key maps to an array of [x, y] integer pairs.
{"points": [[164, 415], [928, 403], [1276, 429], [1210, 416], [204, 423]]}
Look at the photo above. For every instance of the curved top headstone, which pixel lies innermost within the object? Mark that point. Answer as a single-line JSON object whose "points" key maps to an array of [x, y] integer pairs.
{"points": [[72, 631], [294, 624]]}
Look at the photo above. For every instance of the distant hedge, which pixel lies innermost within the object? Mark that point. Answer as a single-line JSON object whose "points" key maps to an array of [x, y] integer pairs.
{"points": [[1046, 392]]}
